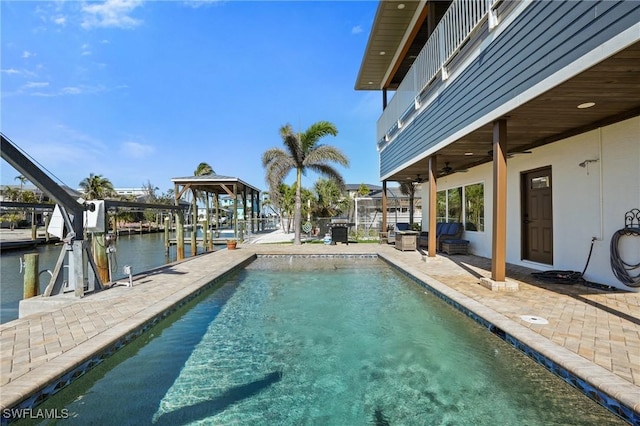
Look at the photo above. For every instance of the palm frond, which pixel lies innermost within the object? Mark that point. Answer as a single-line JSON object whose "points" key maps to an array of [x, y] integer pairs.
{"points": [[315, 132], [273, 154], [325, 154], [328, 172], [204, 169]]}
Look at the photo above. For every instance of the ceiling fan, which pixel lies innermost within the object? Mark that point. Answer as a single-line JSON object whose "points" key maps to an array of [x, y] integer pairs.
{"points": [[447, 170]]}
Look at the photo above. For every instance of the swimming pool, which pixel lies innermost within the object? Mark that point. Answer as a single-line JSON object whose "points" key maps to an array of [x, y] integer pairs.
{"points": [[327, 341]]}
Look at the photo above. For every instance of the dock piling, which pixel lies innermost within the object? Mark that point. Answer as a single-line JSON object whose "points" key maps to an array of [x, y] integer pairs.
{"points": [[31, 275]]}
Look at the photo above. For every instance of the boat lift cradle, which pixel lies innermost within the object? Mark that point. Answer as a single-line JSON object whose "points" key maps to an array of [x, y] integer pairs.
{"points": [[83, 273]]}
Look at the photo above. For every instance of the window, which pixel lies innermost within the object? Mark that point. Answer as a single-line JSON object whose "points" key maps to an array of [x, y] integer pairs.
{"points": [[454, 205], [462, 204], [441, 206], [474, 207]]}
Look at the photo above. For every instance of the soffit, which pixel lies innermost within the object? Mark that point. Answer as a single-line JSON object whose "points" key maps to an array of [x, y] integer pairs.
{"points": [[388, 34]]}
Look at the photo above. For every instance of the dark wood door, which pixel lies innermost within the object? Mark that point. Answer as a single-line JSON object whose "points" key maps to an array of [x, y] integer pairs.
{"points": [[537, 216]]}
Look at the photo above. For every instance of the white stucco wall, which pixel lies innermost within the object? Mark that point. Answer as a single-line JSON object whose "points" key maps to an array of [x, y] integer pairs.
{"points": [[588, 202]]}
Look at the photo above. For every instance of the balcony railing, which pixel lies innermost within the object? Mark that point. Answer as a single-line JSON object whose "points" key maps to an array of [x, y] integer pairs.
{"points": [[456, 26]]}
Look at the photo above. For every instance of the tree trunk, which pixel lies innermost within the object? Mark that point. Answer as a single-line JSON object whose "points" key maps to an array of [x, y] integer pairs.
{"points": [[297, 214]]}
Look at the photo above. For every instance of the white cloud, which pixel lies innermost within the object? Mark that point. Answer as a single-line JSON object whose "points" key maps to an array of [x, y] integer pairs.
{"points": [[36, 84], [356, 30], [10, 71], [199, 3], [86, 50], [60, 20], [111, 13], [136, 150], [71, 90], [26, 54]]}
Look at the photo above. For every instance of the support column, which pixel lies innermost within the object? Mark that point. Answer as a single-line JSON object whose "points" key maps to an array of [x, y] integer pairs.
{"points": [[205, 229], [253, 212], [78, 267], [100, 255], [31, 285], [498, 282], [498, 250], [235, 211], [433, 193], [47, 220], [244, 209], [179, 235], [383, 229], [194, 224], [166, 235], [34, 226]]}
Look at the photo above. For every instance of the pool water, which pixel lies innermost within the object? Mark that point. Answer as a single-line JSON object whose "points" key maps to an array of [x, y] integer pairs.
{"points": [[323, 342]]}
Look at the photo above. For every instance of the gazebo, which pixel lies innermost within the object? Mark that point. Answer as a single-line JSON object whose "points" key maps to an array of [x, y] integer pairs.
{"points": [[217, 185]]}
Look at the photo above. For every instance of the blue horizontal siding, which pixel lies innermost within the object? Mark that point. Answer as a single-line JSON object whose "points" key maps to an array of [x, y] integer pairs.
{"points": [[545, 37]]}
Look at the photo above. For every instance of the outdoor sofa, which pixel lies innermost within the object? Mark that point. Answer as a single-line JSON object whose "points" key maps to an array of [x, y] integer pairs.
{"points": [[451, 232]]}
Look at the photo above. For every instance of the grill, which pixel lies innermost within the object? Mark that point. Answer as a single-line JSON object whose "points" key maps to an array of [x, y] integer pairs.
{"points": [[340, 231]]}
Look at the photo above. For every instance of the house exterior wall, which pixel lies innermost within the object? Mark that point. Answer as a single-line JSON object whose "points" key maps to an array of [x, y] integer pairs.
{"points": [[588, 202], [529, 53]]}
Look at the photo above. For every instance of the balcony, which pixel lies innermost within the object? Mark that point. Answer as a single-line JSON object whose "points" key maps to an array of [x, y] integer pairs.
{"points": [[461, 28]]}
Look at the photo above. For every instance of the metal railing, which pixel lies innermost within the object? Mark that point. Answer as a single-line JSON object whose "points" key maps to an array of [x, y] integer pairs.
{"points": [[455, 27]]}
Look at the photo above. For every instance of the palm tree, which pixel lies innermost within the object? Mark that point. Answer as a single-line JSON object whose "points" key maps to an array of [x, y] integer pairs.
{"points": [[303, 152], [409, 189], [96, 187], [22, 180], [204, 169], [11, 194], [286, 197], [330, 201]]}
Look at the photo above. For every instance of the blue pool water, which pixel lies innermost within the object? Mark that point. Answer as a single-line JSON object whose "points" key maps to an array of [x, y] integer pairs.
{"points": [[322, 342]]}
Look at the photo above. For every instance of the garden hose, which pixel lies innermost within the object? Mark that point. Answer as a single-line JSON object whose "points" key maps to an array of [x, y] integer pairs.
{"points": [[621, 269]]}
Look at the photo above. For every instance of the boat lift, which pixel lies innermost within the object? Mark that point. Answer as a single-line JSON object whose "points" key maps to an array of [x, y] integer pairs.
{"points": [[83, 274]]}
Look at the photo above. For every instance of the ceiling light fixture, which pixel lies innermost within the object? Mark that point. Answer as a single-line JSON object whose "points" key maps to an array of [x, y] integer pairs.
{"points": [[382, 52], [400, 6], [586, 105]]}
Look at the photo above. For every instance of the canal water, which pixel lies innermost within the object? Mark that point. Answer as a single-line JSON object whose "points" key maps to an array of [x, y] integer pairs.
{"points": [[141, 252]]}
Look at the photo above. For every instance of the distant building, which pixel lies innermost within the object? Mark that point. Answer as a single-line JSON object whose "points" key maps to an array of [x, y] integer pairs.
{"points": [[367, 209], [135, 192]]}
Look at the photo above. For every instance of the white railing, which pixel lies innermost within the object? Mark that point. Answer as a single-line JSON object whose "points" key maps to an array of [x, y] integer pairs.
{"points": [[457, 24]]}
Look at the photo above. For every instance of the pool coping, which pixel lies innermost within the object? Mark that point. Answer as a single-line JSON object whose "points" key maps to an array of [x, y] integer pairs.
{"points": [[614, 393]]}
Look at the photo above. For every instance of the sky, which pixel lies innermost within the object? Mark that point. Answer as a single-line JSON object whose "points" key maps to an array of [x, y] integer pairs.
{"points": [[143, 91]]}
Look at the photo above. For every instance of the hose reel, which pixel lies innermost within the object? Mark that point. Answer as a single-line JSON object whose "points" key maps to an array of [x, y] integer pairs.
{"points": [[626, 272]]}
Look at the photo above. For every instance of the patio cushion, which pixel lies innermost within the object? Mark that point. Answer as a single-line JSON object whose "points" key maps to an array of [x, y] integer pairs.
{"points": [[456, 241]]}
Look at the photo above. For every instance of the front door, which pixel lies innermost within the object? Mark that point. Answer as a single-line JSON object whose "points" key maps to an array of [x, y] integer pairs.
{"points": [[537, 216]]}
